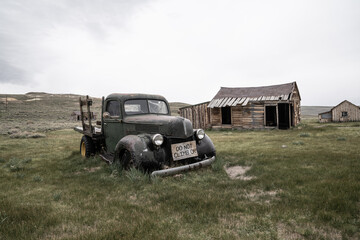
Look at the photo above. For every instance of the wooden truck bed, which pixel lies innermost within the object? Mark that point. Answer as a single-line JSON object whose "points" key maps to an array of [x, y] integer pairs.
{"points": [[87, 128]]}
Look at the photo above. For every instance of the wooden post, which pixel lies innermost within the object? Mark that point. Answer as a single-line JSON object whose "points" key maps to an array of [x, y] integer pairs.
{"points": [[88, 110], [277, 115], [289, 115], [264, 115]]}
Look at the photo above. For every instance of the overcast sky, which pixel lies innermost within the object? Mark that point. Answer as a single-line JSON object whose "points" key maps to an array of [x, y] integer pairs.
{"points": [[184, 50]]}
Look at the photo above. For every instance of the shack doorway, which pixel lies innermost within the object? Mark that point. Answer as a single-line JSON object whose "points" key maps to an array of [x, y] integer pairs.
{"points": [[271, 119], [226, 115], [284, 115]]}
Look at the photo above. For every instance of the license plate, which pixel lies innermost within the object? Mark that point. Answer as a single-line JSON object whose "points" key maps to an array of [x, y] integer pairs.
{"points": [[184, 150]]}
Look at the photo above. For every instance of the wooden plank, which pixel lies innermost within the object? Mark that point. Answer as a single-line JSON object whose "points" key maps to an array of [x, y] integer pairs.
{"points": [[237, 100], [214, 103], [245, 102], [211, 103], [223, 102], [242, 100], [218, 103], [231, 102], [226, 102]]}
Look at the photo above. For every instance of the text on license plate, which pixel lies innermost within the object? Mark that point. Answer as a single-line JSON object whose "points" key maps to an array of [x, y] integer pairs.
{"points": [[183, 150]]}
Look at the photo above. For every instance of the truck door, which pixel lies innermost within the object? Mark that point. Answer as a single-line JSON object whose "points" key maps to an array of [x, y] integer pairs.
{"points": [[113, 128]]}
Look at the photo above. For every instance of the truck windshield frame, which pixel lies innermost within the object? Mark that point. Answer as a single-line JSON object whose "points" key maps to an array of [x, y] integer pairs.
{"points": [[145, 106]]}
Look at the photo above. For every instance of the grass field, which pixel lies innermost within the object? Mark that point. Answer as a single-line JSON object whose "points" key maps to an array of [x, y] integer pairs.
{"points": [[302, 183]]}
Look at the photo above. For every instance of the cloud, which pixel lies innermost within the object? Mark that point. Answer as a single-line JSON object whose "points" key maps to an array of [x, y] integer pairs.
{"points": [[11, 74], [182, 49], [26, 26]]}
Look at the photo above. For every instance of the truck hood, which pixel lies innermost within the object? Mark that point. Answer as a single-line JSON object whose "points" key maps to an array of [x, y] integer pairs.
{"points": [[169, 126]]}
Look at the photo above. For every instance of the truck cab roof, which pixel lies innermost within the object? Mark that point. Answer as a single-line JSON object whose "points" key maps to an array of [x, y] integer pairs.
{"points": [[126, 96]]}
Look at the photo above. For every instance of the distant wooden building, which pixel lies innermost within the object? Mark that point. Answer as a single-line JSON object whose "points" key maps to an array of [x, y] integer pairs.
{"points": [[344, 112], [276, 106]]}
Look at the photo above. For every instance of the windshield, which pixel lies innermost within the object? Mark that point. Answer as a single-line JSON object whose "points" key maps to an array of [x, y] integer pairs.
{"points": [[143, 106]]}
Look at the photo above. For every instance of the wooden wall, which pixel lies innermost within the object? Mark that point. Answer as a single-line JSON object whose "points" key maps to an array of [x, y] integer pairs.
{"points": [[198, 114], [325, 117], [215, 119], [352, 110], [249, 116]]}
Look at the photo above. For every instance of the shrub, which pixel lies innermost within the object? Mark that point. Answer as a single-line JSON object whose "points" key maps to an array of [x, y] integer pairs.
{"points": [[37, 178], [304, 135], [57, 196], [16, 164]]}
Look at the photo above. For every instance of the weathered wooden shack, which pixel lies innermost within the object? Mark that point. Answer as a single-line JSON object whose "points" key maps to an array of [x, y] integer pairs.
{"points": [[343, 112], [276, 106], [198, 114]]}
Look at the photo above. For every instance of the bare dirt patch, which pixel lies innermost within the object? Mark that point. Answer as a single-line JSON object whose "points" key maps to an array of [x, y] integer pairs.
{"points": [[238, 172], [33, 99], [9, 99]]}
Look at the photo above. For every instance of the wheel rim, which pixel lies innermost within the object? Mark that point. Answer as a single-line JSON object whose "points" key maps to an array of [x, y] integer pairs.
{"points": [[83, 149]]}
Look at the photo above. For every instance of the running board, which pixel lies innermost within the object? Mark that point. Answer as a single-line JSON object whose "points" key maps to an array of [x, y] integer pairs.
{"points": [[107, 158]]}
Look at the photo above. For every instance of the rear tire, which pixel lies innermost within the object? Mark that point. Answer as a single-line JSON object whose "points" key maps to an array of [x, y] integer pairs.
{"points": [[87, 147]]}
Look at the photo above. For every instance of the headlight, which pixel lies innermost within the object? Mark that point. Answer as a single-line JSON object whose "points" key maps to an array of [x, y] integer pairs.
{"points": [[157, 139], [200, 134]]}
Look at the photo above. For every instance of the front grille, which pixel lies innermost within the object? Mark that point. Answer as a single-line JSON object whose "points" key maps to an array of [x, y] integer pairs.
{"points": [[167, 144], [180, 140]]}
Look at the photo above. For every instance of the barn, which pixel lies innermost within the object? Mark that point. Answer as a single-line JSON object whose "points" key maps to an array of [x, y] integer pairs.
{"points": [[276, 106], [343, 112]]}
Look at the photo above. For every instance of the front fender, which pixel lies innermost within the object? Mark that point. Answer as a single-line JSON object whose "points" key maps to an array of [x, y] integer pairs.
{"points": [[140, 149], [206, 148]]}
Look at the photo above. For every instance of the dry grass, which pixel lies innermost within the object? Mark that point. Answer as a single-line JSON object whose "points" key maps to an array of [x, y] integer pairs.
{"points": [[306, 190]]}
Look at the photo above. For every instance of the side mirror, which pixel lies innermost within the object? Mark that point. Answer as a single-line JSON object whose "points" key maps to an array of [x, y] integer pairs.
{"points": [[106, 115]]}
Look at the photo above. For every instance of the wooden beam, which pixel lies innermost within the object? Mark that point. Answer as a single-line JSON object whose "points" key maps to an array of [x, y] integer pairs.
{"points": [[246, 101], [232, 101], [277, 115]]}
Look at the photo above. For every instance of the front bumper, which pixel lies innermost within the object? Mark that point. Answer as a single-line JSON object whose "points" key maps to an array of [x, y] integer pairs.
{"points": [[176, 170]]}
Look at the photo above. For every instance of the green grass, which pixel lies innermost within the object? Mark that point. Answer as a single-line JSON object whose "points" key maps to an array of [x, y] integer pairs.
{"points": [[306, 185]]}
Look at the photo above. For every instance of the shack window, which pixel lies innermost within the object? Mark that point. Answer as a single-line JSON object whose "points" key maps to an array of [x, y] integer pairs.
{"points": [[113, 107], [344, 114]]}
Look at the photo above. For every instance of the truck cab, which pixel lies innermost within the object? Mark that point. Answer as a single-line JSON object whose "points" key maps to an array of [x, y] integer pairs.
{"points": [[137, 130]]}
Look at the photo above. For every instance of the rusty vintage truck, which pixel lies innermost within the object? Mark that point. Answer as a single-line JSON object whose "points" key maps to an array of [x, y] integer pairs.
{"points": [[137, 130]]}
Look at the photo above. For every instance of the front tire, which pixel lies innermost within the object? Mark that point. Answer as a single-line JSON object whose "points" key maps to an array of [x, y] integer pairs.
{"points": [[87, 147], [127, 160]]}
